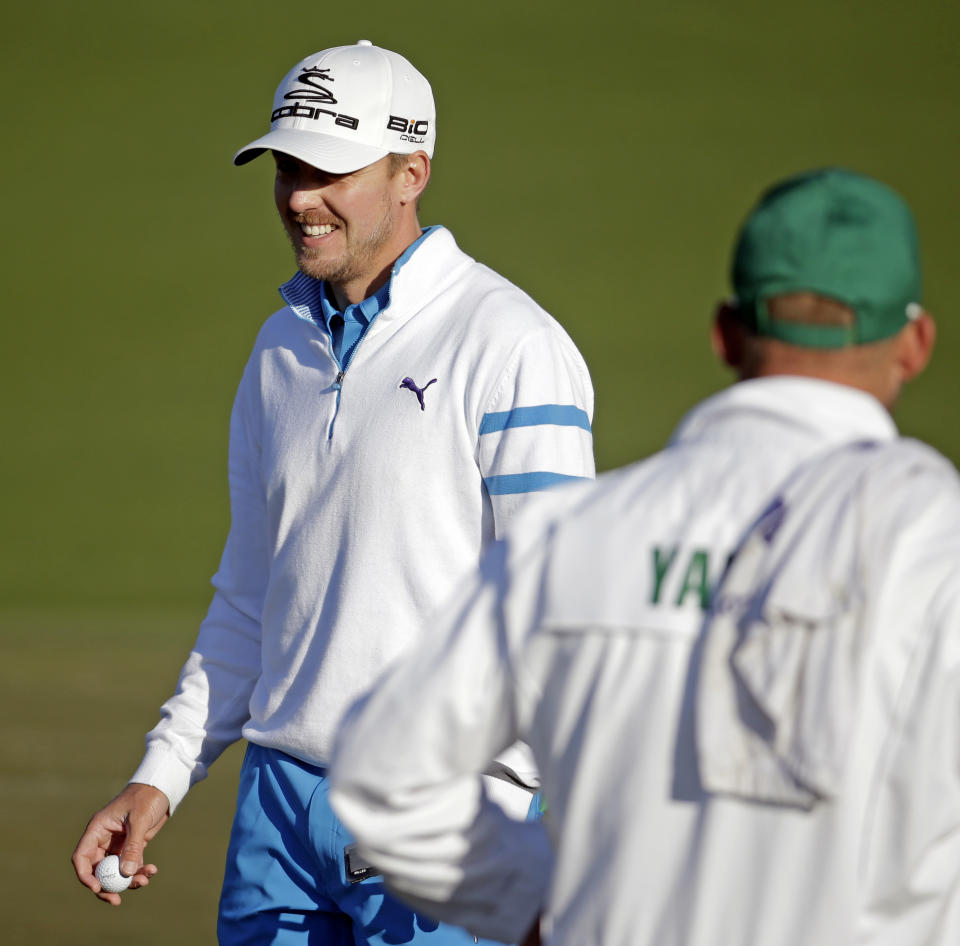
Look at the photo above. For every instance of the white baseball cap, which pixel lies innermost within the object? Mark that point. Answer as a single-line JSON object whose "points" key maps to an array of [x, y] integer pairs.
{"points": [[346, 107]]}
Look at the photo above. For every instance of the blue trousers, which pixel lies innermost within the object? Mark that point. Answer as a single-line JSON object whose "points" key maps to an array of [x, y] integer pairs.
{"points": [[286, 881]]}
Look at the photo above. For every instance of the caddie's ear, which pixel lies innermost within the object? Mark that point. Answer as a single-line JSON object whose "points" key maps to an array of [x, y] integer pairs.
{"points": [[915, 344], [727, 336], [413, 176]]}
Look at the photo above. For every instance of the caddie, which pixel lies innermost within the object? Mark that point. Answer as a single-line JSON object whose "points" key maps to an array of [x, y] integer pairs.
{"points": [[764, 759], [396, 412]]}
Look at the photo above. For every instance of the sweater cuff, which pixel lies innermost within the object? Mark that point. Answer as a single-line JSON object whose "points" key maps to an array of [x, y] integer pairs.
{"points": [[162, 769]]}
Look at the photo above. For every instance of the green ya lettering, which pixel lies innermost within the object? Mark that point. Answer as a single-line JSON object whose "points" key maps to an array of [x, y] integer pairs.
{"points": [[662, 560], [695, 580]]}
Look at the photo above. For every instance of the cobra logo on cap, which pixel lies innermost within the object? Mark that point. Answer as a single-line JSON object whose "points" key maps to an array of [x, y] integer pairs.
{"points": [[314, 92]]}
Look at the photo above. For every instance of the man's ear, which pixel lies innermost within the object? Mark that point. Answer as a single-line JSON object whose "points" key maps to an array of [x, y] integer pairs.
{"points": [[727, 336], [915, 344], [414, 176]]}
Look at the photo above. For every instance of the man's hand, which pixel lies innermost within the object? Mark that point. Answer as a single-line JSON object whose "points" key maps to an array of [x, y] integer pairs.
{"points": [[123, 827]]}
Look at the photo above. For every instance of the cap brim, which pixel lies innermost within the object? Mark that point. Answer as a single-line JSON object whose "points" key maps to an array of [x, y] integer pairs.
{"points": [[325, 152]]}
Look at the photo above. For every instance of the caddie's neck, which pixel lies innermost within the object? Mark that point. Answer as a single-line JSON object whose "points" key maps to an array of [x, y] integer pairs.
{"points": [[880, 368]]}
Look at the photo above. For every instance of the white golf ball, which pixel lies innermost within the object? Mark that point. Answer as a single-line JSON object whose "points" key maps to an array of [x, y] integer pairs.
{"points": [[108, 873]]}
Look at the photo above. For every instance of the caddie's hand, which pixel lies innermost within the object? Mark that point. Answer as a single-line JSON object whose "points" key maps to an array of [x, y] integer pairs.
{"points": [[123, 827]]}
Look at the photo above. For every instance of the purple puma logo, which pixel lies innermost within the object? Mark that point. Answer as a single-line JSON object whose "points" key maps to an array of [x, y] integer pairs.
{"points": [[411, 385]]}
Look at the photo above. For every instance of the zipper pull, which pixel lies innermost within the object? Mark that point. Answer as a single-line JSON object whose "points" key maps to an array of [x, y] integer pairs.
{"points": [[339, 378]]}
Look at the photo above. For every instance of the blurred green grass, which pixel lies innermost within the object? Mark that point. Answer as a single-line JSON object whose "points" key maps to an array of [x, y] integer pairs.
{"points": [[600, 156], [79, 693]]}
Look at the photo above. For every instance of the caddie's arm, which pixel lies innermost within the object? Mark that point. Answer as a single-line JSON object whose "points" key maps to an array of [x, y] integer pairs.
{"points": [[406, 775]]}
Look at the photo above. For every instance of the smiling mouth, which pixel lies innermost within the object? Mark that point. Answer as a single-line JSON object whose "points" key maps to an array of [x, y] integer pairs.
{"points": [[316, 230]]}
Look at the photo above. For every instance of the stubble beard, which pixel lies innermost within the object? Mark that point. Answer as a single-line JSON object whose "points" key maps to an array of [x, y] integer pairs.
{"points": [[357, 261]]}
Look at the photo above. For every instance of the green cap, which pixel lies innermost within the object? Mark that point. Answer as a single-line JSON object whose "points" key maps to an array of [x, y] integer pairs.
{"points": [[838, 234]]}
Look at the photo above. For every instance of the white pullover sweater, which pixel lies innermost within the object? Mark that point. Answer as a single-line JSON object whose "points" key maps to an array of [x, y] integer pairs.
{"points": [[355, 510]]}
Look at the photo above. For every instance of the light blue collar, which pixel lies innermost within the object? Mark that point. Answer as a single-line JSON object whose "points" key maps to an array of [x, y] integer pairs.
{"points": [[308, 297]]}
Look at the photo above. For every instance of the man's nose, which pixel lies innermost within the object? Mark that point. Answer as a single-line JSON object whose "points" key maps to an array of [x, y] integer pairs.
{"points": [[305, 195]]}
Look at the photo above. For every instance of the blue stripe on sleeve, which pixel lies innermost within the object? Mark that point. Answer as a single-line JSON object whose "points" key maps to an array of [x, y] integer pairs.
{"points": [[510, 483], [560, 415]]}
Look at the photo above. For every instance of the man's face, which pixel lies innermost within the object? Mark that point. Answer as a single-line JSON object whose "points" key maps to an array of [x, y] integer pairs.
{"points": [[340, 225]]}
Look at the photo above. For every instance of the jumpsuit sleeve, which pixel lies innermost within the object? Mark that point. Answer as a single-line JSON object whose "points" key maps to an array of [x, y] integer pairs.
{"points": [[406, 777], [912, 866]]}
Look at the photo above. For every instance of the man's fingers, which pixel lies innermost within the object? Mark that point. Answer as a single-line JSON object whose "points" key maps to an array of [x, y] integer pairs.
{"points": [[83, 867], [142, 877], [123, 827], [89, 851], [131, 857], [147, 813], [131, 854], [102, 831]]}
